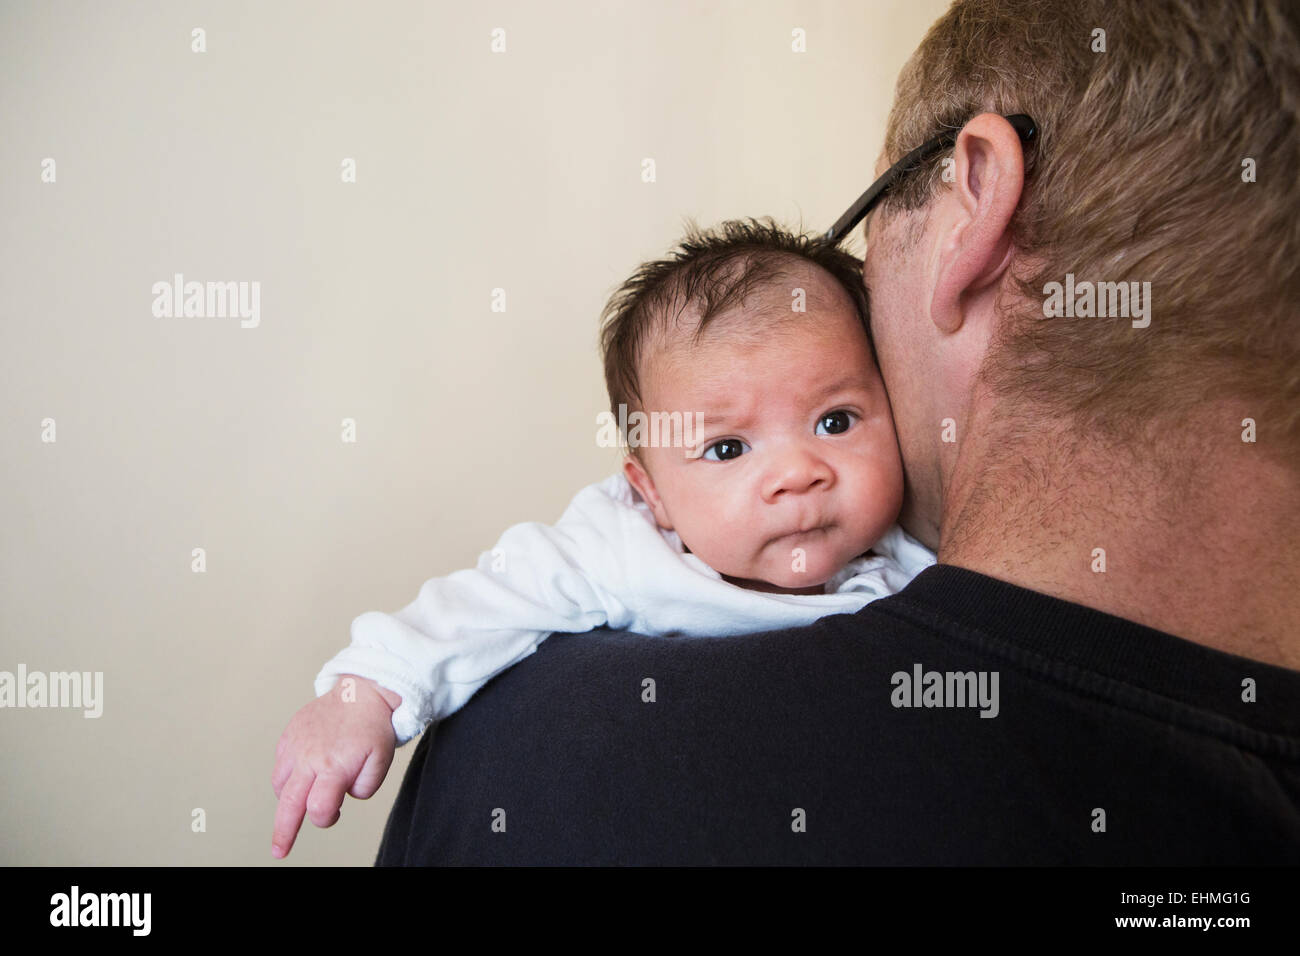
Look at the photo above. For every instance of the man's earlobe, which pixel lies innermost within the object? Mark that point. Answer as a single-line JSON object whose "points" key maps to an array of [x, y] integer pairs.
{"points": [[640, 479], [989, 168]]}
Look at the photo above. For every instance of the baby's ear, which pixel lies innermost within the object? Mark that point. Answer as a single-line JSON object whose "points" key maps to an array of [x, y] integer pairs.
{"points": [[640, 479]]}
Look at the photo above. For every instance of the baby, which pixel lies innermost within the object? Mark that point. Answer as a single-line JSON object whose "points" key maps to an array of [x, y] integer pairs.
{"points": [[766, 497]]}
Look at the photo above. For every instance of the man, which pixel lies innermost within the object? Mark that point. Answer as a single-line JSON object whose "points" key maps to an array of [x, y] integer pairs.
{"points": [[1105, 665]]}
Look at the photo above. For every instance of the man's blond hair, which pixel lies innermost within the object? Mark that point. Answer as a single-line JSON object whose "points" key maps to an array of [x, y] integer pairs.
{"points": [[1139, 173]]}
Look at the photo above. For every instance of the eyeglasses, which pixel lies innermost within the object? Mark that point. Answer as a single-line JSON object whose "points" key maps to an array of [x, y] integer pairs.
{"points": [[1025, 127]]}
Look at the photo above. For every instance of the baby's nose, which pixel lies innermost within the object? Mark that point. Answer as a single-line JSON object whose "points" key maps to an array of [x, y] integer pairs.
{"points": [[797, 472]]}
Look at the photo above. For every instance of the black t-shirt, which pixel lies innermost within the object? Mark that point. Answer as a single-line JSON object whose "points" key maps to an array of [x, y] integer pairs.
{"points": [[962, 721]]}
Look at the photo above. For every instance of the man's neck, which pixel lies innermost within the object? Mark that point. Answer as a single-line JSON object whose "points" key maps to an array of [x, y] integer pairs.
{"points": [[1203, 543]]}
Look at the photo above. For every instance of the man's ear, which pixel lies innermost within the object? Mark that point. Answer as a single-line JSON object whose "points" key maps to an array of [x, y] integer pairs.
{"points": [[976, 239], [640, 479]]}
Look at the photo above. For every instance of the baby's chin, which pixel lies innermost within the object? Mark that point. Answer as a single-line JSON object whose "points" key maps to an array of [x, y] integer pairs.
{"points": [[791, 564], [795, 574], [798, 580]]}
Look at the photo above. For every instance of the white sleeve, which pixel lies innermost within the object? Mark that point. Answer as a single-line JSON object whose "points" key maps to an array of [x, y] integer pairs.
{"points": [[465, 628]]}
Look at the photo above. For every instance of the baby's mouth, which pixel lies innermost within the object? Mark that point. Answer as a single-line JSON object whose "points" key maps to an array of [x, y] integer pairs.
{"points": [[813, 531]]}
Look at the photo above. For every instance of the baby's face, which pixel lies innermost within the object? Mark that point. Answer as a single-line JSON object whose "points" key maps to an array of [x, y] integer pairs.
{"points": [[796, 470]]}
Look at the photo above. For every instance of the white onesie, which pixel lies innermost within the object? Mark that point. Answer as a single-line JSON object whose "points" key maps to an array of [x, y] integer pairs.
{"points": [[605, 562]]}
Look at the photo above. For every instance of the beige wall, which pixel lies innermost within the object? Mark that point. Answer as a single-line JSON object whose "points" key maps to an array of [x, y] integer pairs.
{"points": [[475, 170]]}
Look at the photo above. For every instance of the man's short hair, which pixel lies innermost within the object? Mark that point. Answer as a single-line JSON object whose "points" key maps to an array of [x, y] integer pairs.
{"points": [[1153, 118]]}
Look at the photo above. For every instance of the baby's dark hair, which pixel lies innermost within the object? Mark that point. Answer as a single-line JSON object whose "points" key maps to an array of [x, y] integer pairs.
{"points": [[713, 270]]}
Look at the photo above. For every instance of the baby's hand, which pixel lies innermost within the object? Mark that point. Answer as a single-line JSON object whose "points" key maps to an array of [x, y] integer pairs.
{"points": [[331, 747]]}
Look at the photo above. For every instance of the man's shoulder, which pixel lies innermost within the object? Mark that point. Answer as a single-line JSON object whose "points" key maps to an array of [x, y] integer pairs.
{"points": [[902, 733]]}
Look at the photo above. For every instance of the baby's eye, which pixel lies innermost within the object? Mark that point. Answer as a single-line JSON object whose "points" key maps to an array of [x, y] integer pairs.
{"points": [[835, 422], [725, 450]]}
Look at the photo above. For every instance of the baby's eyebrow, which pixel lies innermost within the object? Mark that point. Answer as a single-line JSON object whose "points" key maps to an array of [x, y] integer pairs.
{"points": [[843, 384], [728, 415]]}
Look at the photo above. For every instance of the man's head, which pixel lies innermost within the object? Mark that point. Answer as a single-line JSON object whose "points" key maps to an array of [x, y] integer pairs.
{"points": [[1168, 139], [755, 339]]}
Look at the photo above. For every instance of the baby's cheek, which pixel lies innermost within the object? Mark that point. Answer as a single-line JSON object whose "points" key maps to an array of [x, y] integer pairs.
{"points": [[883, 464], [882, 496], [713, 539]]}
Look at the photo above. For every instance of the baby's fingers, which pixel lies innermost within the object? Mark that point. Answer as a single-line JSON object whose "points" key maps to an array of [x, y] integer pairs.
{"points": [[327, 797], [289, 811], [285, 761], [373, 773]]}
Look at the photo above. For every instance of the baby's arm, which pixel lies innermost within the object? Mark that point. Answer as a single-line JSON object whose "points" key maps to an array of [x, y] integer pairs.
{"points": [[423, 662], [465, 628]]}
